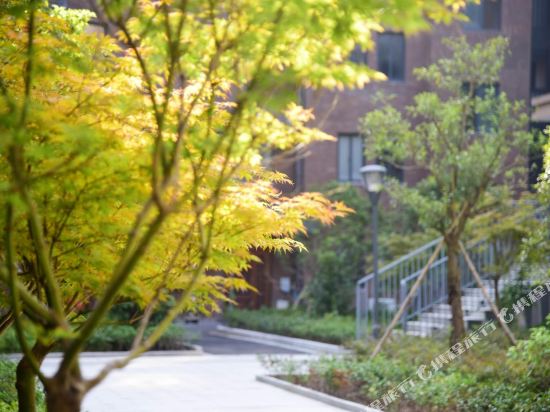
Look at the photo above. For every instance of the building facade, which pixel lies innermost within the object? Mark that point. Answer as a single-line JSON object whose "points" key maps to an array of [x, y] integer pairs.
{"points": [[396, 55]]}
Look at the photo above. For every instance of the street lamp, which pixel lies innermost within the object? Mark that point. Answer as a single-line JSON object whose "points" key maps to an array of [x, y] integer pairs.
{"points": [[373, 176]]}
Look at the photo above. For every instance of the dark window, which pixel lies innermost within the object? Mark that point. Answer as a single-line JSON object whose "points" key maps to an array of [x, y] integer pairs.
{"points": [[350, 157], [358, 56], [483, 16], [536, 154], [540, 61], [479, 123], [392, 170], [63, 3], [391, 55]]}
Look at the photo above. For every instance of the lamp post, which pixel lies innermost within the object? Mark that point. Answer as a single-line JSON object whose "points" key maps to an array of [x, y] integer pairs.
{"points": [[373, 176]]}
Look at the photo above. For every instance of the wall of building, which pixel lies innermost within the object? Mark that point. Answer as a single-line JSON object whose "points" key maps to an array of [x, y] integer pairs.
{"points": [[339, 111]]}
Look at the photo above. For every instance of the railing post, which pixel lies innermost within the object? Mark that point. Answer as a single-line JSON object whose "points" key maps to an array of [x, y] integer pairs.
{"points": [[402, 295], [358, 311]]}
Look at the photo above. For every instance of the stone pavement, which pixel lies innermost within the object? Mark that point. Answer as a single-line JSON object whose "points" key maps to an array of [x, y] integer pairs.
{"points": [[207, 383]]}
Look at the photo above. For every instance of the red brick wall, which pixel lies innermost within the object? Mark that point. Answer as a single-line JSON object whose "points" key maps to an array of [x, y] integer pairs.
{"points": [[340, 111]]}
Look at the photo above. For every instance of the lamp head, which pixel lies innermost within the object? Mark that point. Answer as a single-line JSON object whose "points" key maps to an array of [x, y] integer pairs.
{"points": [[373, 177]]}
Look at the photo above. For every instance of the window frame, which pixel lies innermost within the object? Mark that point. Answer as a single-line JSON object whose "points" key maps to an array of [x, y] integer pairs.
{"points": [[483, 10], [401, 35], [349, 173]]}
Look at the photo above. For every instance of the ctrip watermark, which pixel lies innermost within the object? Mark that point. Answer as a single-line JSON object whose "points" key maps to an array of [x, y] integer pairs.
{"points": [[425, 372]]}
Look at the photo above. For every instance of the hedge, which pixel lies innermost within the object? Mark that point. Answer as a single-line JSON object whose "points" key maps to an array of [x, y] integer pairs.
{"points": [[330, 328]]}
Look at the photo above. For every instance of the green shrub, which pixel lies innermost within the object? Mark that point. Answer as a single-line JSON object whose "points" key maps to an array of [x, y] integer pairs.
{"points": [[329, 328], [111, 338], [499, 396], [120, 338], [174, 338], [442, 389], [487, 378], [8, 393], [9, 342], [371, 378], [530, 359]]}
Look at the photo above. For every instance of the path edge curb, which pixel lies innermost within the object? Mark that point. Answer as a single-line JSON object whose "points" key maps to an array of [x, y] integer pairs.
{"points": [[315, 395], [286, 342]]}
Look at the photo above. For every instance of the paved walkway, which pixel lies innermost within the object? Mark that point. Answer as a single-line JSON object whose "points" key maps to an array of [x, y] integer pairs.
{"points": [[205, 330], [207, 383]]}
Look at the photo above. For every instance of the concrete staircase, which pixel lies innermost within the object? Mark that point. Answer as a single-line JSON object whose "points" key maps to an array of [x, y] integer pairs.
{"points": [[438, 318]]}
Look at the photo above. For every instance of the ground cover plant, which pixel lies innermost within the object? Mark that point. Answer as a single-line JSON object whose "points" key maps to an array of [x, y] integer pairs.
{"points": [[490, 377]]}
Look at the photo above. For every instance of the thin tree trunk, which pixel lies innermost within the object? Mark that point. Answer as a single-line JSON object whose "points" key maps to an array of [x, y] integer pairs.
{"points": [[455, 291], [64, 393], [25, 382]]}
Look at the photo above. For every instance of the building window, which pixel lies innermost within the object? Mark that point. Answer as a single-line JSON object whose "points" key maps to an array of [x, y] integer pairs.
{"points": [[391, 55], [392, 170], [358, 56], [540, 52], [350, 157], [478, 122], [483, 16], [62, 3], [536, 154]]}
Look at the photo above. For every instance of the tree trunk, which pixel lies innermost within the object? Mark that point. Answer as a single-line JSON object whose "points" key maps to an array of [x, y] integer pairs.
{"points": [[455, 292], [25, 382], [64, 393]]}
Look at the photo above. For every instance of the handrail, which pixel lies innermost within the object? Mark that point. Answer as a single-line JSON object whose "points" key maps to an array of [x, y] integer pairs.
{"points": [[417, 273], [401, 259]]}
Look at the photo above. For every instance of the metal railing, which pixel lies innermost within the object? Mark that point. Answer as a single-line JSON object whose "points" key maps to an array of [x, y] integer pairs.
{"points": [[396, 279], [389, 283]]}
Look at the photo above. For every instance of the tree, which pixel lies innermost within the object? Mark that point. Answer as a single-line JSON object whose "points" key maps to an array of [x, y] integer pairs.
{"points": [[469, 139], [340, 254], [535, 251], [132, 170]]}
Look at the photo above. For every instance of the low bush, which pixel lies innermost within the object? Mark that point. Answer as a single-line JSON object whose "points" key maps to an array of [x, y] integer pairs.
{"points": [[9, 342], [112, 337], [120, 338], [8, 393], [487, 378], [329, 328]]}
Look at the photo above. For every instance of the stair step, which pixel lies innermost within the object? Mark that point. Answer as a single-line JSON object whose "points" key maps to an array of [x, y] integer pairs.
{"points": [[417, 333], [436, 317], [466, 307], [422, 326], [472, 300], [477, 292], [475, 317]]}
